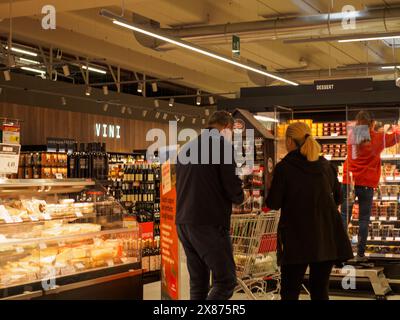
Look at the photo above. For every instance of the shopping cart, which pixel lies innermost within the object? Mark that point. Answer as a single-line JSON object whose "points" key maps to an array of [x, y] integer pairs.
{"points": [[254, 240]]}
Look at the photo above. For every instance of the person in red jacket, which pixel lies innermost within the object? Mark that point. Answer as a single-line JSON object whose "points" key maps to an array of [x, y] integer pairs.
{"points": [[362, 169]]}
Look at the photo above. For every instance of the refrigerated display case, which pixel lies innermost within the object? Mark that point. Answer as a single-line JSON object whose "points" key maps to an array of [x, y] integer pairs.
{"points": [[64, 239]]}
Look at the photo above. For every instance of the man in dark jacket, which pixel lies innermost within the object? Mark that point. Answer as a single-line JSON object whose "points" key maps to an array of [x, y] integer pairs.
{"points": [[206, 186]]}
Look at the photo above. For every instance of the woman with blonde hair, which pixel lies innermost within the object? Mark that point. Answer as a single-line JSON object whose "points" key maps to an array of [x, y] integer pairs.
{"points": [[310, 233]]}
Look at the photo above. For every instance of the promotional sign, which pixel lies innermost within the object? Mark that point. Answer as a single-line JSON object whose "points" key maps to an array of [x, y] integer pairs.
{"points": [[9, 158], [11, 134], [147, 230], [169, 239]]}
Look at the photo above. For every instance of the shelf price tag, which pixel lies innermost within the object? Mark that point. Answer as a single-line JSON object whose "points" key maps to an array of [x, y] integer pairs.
{"points": [[382, 218], [79, 214], [34, 218], [42, 246], [369, 238], [79, 266], [19, 250], [46, 216], [389, 255], [17, 219], [110, 263], [397, 239], [393, 219], [378, 238]]}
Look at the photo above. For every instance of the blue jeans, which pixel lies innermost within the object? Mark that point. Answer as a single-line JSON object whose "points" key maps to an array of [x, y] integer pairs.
{"points": [[365, 196]]}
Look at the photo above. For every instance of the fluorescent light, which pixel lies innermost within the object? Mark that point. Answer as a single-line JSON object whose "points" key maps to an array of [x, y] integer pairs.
{"points": [[29, 53], [369, 39], [156, 103], [123, 109], [267, 119], [94, 69], [154, 87], [194, 48], [194, 120], [105, 90], [391, 67], [33, 70], [171, 102], [29, 61], [144, 113], [183, 118], [203, 121], [211, 99], [129, 110], [207, 112], [165, 116], [105, 107], [66, 70], [176, 118], [157, 115]]}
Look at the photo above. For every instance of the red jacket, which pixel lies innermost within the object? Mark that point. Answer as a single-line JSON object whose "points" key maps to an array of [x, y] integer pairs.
{"points": [[364, 161]]}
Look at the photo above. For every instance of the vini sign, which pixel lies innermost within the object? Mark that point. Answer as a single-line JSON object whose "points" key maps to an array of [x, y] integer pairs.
{"points": [[107, 131]]}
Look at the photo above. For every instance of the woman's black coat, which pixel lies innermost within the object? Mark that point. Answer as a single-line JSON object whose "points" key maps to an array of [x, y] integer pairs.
{"points": [[310, 227]]}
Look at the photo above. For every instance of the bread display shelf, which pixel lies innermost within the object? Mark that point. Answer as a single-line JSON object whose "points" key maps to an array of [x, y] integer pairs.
{"points": [[12, 187]]}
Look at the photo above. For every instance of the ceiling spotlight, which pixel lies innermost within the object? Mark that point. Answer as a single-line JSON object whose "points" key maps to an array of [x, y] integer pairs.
{"points": [[63, 101], [194, 120], [157, 115], [11, 61], [154, 87], [129, 110], [165, 116], [203, 121], [198, 98], [140, 87], [207, 112], [171, 102], [144, 113], [105, 90], [7, 75], [156, 103], [88, 90], [176, 118], [66, 70], [183, 118], [211, 100], [123, 109], [105, 107]]}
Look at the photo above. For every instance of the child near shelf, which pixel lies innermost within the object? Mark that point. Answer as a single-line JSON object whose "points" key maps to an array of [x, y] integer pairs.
{"points": [[362, 170]]}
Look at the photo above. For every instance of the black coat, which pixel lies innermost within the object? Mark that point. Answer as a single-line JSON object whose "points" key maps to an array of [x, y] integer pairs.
{"points": [[310, 227], [205, 192]]}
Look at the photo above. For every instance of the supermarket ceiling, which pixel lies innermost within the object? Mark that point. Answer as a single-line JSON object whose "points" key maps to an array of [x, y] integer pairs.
{"points": [[296, 39]]}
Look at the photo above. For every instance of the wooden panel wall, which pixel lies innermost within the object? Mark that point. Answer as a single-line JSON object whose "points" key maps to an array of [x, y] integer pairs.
{"points": [[40, 123]]}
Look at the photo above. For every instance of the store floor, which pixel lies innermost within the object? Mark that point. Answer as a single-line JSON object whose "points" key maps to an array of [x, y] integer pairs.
{"points": [[152, 291]]}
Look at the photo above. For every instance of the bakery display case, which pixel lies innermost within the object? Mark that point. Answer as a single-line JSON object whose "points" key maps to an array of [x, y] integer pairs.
{"points": [[66, 239]]}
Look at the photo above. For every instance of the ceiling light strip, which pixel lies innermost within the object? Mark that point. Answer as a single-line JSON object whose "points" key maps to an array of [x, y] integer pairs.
{"points": [[118, 21], [369, 39]]}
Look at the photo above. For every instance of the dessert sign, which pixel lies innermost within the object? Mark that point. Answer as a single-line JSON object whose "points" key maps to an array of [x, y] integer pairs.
{"points": [[9, 158], [169, 238]]}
